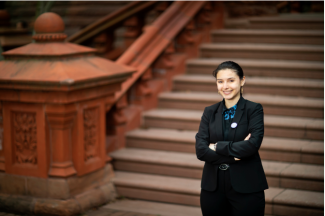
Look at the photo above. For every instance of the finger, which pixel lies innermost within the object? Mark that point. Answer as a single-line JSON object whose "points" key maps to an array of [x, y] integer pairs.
{"points": [[249, 136]]}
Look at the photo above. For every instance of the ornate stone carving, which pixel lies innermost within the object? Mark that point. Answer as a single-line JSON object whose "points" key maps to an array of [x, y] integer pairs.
{"points": [[186, 35], [24, 136], [91, 133]]}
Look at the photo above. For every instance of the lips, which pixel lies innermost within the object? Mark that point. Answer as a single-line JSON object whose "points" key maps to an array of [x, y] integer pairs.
{"points": [[227, 92]]}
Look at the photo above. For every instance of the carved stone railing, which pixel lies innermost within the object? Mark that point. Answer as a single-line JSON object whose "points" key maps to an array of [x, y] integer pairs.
{"points": [[155, 38], [158, 54], [114, 33]]}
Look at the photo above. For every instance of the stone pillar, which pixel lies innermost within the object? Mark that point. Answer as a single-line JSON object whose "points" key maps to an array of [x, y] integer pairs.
{"points": [[60, 128]]}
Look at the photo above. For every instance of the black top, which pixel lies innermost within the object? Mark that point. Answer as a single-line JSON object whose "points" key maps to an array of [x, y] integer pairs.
{"points": [[226, 123]]}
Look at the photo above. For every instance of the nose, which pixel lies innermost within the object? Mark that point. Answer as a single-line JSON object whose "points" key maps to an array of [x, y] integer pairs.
{"points": [[225, 85]]}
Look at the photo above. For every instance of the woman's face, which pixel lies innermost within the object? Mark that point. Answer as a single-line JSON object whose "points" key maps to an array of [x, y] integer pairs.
{"points": [[229, 84]]}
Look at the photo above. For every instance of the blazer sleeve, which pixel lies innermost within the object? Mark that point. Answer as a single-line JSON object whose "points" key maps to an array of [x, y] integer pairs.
{"points": [[203, 152], [242, 149]]}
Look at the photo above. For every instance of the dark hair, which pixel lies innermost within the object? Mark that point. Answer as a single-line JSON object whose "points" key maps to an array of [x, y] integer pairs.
{"points": [[230, 65]]}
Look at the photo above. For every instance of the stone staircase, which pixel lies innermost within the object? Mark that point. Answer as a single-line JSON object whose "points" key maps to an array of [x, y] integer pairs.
{"points": [[284, 68]]}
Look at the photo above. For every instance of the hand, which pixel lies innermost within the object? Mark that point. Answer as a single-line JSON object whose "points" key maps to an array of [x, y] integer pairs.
{"points": [[211, 146], [248, 136]]}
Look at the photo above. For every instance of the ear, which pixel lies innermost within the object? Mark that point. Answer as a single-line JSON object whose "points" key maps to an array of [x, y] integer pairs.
{"points": [[242, 81]]}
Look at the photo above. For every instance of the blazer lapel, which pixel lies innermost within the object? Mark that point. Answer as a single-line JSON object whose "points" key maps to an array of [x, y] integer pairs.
{"points": [[218, 120], [239, 112]]}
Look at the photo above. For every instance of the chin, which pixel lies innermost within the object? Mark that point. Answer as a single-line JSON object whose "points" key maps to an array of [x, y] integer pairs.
{"points": [[229, 97]]}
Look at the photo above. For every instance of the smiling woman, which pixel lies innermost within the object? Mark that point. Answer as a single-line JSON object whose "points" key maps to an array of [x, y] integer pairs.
{"points": [[229, 137]]}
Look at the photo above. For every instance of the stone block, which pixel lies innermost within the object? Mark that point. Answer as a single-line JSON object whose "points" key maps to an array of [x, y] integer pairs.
{"points": [[308, 199], [108, 173], [14, 184], [273, 181], [58, 188], [312, 159], [18, 204], [90, 199], [293, 210], [268, 208], [280, 156], [108, 191], [36, 187], [102, 212], [304, 171], [56, 207], [302, 184], [79, 184]]}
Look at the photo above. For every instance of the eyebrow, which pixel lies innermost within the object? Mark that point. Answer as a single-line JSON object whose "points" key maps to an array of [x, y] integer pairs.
{"points": [[228, 78]]}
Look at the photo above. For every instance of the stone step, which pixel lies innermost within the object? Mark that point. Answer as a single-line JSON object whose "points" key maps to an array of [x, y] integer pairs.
{"points": [[313, 21], [154, 208], [186, 191], [262, 51], [311, 88], [277, 36], [277, 126], [261, 67], [276, 149], [272, 104], [179, 164], [148, 207]]}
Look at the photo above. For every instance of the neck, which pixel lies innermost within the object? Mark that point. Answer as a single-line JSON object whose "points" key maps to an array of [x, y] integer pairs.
{"points": [[232, 102]]}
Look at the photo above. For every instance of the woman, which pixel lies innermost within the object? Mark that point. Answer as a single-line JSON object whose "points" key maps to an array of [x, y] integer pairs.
{"points": [[228, 140]]}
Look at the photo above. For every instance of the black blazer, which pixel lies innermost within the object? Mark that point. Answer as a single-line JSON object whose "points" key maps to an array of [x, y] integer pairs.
{"points": [[247, 175]]}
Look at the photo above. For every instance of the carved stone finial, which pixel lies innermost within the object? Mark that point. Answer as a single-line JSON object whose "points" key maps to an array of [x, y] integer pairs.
{"points": [[49, 27]]}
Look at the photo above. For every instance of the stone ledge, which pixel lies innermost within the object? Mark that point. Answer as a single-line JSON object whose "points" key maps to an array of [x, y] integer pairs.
{"points": [[54, 188], [44, 206]]}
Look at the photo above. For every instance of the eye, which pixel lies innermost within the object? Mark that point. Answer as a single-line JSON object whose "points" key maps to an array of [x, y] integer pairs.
{"points": [[219, 81], [232, 80]]}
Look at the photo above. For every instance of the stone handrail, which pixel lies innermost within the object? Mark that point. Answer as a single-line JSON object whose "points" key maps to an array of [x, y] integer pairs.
{"points": [[155, 39], [111, 20], [157, 55]]}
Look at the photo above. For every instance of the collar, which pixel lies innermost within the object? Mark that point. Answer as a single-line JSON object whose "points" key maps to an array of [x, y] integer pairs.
{"points": [[240, 105], [225, 108]]}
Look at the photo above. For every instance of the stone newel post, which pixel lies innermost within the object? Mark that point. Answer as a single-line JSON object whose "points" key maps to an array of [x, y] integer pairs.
{"points": [[53, 99]]}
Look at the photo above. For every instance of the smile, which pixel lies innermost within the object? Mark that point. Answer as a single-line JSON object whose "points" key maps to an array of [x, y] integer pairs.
{"points": [[227, 92]]}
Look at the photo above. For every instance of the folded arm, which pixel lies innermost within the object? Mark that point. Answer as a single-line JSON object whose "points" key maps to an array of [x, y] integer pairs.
{"points": [[246, 148], [203, 152]]}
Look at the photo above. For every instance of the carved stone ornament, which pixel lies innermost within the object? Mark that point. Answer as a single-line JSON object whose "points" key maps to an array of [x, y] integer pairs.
{"points": [[24, 134], [91, 133]]}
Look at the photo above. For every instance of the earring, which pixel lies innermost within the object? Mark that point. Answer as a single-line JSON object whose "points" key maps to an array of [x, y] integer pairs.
{"points": [[242, 89]]}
